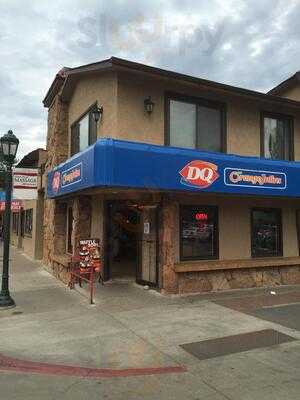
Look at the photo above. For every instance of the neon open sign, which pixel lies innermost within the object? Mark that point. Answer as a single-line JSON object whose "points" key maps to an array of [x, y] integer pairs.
{"points": [[201, 217]]}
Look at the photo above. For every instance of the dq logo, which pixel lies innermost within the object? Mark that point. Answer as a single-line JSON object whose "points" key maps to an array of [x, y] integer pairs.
{"points": [[56, 181], [199, 174]]}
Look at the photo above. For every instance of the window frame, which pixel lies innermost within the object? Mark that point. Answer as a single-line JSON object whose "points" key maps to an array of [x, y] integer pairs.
{"points": [[15, 222], [273, 115], [28, 222], [198, 101], [215, 255], [279, 214], [75, 126]]}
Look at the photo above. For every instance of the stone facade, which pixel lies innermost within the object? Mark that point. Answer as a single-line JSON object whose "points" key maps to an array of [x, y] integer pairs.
{"points": [[82, 211], [57, 147], [198, 282], [169, 278]]}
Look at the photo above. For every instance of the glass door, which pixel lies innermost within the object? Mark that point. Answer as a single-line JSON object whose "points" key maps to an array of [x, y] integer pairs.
{"points": [[147, 246]]}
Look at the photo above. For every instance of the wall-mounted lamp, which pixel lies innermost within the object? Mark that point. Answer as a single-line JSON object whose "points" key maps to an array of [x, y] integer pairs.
{"points": [[97, 114], [148, 105]]}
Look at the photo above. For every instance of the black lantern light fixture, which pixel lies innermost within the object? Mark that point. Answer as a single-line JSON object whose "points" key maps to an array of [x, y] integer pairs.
{"points": [[97, 113], [148, 105], [9, 147], [9, 144]]}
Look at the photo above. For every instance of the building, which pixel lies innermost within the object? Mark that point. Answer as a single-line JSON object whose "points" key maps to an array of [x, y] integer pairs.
{"points": [[290, 88], [190, 185], [27, 219]]}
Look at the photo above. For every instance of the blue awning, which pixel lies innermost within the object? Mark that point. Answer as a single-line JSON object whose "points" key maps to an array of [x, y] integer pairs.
{"points": [[123, 164]]}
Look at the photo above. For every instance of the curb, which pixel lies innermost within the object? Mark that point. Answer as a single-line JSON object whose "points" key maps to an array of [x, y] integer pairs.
{"points": [[15, 365]]}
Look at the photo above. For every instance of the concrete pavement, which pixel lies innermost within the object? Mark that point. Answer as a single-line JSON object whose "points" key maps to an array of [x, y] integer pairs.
{"points": [[130, 328]]}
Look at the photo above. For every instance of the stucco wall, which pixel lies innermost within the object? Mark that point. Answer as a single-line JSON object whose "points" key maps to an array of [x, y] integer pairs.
{"points": [[122, 95], [28, 241], [292, 93], [243, 115], [235, 224], [102, 89]]}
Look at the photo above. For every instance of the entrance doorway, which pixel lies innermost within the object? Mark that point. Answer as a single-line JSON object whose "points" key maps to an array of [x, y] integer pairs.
{"points": [[131, 251]]}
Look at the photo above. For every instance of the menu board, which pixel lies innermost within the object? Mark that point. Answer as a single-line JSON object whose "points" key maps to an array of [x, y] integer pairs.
{"points": [[90, 254]]}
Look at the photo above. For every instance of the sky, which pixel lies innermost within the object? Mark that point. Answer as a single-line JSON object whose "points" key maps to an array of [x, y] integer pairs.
{"points": [[253, 44]]}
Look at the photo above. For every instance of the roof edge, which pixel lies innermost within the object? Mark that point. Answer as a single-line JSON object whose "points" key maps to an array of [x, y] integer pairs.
{"points": [[64, 82], [55, 86], [292, 80]]}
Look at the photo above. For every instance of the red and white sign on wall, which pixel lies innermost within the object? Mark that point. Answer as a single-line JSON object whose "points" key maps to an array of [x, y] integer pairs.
{"points": [[199, 174], [25, 181], [15, 205]]}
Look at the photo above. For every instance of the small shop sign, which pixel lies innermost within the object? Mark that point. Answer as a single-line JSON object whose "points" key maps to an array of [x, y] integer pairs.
{"points": [[66, 178], [25, 183], [254, 178], [25, 178], [71, 175], [89, 253], [15, 205]]}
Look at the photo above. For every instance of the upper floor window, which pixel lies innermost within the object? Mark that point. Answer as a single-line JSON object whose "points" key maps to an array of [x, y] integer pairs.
{"points": [[198, 124], [83, 132], [277, 137]]}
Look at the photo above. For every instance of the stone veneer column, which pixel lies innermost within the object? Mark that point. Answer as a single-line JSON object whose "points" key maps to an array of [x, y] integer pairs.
{"points": [[82, 211], [48, 248], [57, 152], [54, 230], [169, 212]]}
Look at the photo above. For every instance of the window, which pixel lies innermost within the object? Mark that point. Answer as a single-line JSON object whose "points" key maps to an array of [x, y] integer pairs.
{"points": [[198, 233], [28, 222], [15, 222], [266, 235], [196, 124], [83, 132], [277, 137], [69, 230]]}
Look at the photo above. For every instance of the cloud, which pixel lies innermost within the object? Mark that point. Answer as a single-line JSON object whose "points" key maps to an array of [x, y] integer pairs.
{"points": [[250, 44]]}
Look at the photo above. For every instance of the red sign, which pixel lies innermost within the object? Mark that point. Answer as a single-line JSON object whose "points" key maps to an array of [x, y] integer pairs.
{"points": [[201, 217], [15, 205], [199, 174]]}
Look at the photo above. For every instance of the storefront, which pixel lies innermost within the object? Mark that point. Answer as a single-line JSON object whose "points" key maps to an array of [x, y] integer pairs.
{"points": [[179, 219], [28, 211]]}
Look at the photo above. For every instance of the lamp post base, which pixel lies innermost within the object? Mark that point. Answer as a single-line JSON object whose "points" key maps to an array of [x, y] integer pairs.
{"points": [[6, 301]]}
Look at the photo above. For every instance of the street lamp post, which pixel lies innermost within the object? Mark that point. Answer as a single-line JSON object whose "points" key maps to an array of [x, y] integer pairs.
{"points": [[9, 145]]}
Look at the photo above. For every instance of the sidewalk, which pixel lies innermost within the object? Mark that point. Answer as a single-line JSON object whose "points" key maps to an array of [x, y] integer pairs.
{"points": [[131, 331]]}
